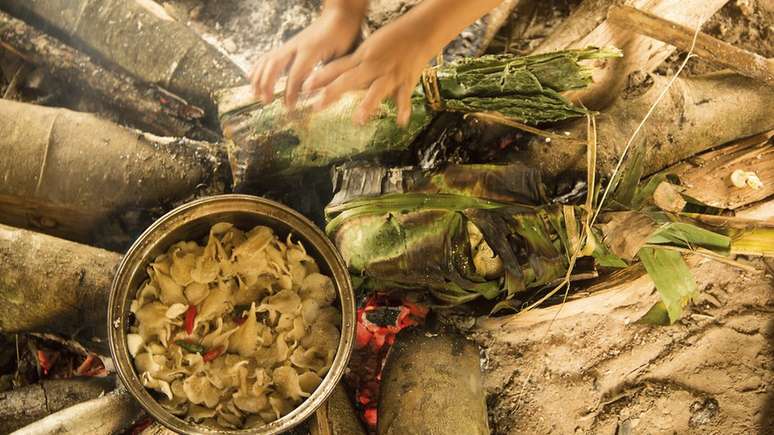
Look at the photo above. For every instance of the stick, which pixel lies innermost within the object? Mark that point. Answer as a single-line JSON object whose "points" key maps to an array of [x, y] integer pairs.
{"points": [[716, 51], [52, 285], [432, 384], [86, 179], [25, 405], [110, 414], [140, 38], [149, 106]]}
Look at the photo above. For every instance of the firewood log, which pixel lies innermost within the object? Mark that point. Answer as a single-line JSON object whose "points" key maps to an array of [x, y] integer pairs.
{"points": [[698, 113], [76, 176], [23, 406], [147, 106], [139, 37], [431, 384], [107, 415], [53, 285]]}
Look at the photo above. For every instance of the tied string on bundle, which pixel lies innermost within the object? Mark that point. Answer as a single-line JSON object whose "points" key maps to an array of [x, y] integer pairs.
{"points": [[430, 84]]}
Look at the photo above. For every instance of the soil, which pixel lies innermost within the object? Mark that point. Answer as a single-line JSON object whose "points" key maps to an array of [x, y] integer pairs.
{"points": [[595, 371], [747, 24]]}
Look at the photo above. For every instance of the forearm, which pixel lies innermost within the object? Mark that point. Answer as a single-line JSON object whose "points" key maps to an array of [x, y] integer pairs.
{"points": [[357, 7], [445, 19]]}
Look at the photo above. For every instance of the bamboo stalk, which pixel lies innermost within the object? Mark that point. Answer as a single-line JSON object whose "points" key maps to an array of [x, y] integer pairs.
{"points": [[148, 106], [52, 285], [337, 416], [140, 38], [733, 107], [89, 180], [716, 51], [707, 176], [432, 384], [107, 415], [25, 405]]}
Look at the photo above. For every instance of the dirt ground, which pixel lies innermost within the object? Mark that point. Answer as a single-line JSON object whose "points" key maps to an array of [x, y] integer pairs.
{"points": [[593, 370]]}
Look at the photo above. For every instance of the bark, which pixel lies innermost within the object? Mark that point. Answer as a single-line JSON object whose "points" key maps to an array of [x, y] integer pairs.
{"points": [[148, 106], [641, 53], [697, 114], [23, 406], [139, 37], [107, 415], [53, 285], [718, 52], [432, 384], [707, 177], [76, 176]]}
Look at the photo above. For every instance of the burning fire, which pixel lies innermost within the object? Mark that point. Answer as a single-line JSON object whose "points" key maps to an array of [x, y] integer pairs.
{"points": [[379, 321]]}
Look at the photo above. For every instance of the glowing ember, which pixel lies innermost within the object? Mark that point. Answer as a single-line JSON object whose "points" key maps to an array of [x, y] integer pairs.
{"points": [[379, 321]]}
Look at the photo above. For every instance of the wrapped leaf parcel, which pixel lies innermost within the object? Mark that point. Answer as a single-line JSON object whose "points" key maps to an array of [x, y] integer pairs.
{"points": [[483, 230], [269, 140]]}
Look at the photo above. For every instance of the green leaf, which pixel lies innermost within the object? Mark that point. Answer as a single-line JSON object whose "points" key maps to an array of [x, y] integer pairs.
{"points": [[672, 277], [690, 236], [602, 254], [657, 315], [755, 241]]}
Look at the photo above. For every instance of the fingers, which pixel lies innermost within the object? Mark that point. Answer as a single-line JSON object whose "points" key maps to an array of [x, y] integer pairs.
{"points": [[272, 68], [377, 92], [330, 72], [361, 76], [302, 66], [403, 102], [255, 76]]}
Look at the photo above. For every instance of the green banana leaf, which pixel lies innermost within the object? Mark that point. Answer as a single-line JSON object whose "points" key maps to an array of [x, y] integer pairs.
{"points": [[421, 235], [268, 140]]}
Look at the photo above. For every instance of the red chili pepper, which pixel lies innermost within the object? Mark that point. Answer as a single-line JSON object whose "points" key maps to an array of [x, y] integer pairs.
{"points": [[190, 316], [213, 353]]}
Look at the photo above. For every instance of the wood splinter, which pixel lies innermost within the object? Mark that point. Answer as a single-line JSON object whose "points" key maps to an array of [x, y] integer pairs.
{"points": [[711, 49]]}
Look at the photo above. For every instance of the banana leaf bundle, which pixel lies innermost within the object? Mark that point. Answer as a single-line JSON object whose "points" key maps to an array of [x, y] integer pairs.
{"points": [[465, 239], [267, 140]]}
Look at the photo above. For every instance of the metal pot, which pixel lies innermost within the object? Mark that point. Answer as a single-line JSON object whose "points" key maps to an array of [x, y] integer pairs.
{"points": [[192, 221]]}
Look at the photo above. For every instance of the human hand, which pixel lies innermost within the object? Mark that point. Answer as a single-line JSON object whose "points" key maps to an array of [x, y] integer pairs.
{"points": [[389, 63], [330, 36]]}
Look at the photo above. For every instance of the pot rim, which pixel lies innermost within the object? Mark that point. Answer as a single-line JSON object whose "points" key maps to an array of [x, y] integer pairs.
{"points": [[138, 256]]}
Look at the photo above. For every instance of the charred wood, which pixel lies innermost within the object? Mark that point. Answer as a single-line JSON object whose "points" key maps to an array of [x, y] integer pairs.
{"points": [[139, 37], [148, 106]]}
